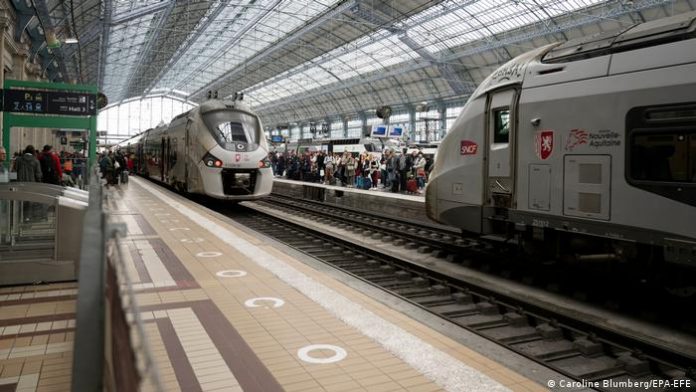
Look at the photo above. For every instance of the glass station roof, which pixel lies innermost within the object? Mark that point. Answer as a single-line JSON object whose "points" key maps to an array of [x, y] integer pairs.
{"points": [[309, 58]]}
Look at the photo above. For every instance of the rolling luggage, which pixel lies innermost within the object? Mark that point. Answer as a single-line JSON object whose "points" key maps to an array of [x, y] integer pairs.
{"points": [[367, 183], [412, 186]]}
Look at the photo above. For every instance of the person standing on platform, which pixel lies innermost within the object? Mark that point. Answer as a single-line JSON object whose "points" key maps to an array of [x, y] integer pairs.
{"points": [[50, 166], [29, 170], [4, 173], [28, 167]]}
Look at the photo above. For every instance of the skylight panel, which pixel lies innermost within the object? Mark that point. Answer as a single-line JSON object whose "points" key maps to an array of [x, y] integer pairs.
{"points": [[122, 56], [272, 27], [483, 18]]}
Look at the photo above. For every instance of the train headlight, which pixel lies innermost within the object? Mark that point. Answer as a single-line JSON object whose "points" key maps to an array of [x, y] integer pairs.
{"points": [[264, 163], [210, 161]]}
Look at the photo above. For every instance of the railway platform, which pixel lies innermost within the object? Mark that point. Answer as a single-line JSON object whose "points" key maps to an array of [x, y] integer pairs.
{"points": [[401, 205], [227, 310]]}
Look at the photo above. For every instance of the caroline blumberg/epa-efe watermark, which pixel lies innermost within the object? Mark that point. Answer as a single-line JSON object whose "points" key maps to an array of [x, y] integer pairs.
{"points": [[621, 383]]}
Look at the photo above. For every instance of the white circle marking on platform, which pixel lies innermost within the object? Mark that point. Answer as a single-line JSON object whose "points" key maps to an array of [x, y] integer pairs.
{"points": [[208, 254], [179, 228], [231, 274], [192, 240], [252, 303], [340, 355]]}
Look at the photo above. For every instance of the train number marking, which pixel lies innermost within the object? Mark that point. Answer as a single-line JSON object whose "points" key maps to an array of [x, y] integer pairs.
{"points": [[540, 223]]}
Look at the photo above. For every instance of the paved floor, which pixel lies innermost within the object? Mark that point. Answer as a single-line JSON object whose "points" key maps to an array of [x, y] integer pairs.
{"points": [[37, 325], [227, 310]]}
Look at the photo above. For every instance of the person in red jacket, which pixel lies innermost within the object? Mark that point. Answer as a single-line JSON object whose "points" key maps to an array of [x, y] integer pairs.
{"points": [[50, 166]]}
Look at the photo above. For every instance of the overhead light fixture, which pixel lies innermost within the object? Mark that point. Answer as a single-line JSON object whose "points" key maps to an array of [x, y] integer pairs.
{"points": [[51, 39], [70, 41]]}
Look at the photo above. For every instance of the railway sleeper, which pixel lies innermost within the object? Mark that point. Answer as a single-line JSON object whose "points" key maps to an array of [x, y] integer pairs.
{"points": [[512, 334], [414, 292], [482, 321], [434, 300], [452, 310], [547, 350], [596, 368]]}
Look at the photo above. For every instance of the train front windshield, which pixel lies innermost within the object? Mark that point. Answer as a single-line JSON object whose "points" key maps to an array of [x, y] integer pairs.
{"points": [[234, 130]]}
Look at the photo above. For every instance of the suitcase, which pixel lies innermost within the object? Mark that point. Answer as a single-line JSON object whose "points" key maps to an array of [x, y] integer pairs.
{"points": [[412, 186], [367, 183]]}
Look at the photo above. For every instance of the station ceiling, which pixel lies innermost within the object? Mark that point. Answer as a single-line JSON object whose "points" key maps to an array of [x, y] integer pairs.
{"points": [[297, 60]]}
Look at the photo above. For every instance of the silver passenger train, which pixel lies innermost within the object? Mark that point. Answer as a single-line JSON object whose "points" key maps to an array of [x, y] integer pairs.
{"points": [[216, 149], [584, 150]]}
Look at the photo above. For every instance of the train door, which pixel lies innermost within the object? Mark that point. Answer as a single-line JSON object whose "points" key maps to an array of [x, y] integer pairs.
{"points": [[501, 119], [168, 160], [162, 157], [187, 154]]}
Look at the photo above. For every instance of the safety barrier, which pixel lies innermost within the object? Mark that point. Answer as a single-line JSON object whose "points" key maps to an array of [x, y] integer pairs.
{"points": [[40, 232], [111, 351]]}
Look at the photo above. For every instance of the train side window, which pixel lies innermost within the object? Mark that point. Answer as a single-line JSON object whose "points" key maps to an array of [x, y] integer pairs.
{"points": [[663, 156], [692, 157], [661, 150], [501, 122]]}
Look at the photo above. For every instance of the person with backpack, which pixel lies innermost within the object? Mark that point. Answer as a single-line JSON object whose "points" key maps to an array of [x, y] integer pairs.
{"points": [[404, 169], [50, 166]]}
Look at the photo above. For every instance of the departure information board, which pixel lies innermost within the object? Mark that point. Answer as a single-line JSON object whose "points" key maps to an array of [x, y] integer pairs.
{"points": [[49, 102]]}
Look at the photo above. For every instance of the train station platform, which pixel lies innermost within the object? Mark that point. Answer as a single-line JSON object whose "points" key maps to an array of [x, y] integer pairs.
{"points": [[225, 309], [402, 205]]}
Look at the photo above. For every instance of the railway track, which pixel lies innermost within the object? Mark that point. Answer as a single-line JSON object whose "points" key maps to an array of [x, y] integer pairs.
{"points": [[582, 351], [616, 288]]}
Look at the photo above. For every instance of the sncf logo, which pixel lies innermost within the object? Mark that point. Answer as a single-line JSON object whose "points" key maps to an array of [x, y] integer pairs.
{"points": [[468, 147]]}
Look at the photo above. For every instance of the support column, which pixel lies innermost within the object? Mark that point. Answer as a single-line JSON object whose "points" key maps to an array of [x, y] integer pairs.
{"points": [[412, 123], [442, 130], [21, 136]]}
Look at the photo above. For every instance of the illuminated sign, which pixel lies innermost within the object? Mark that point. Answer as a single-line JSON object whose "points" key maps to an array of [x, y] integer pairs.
{"points": [[49, 102], [277, 139]]}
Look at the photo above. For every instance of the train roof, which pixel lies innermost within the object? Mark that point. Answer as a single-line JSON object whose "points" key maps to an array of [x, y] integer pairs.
{"points": [[675, 28], [672, 29]]}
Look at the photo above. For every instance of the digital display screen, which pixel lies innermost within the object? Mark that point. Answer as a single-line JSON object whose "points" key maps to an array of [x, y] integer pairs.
{"points": [[49, 102], [396, 131], [379, 130], [277, 139]]}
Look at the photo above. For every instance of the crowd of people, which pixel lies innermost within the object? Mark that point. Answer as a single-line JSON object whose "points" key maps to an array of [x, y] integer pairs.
{"points": [[114, 167], [47, 166], [397, 172]]}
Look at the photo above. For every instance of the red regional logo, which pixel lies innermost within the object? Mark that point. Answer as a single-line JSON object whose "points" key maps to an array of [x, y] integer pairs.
{"points": [[543, 144], [468, 147], [576, 137], [238, 157]]}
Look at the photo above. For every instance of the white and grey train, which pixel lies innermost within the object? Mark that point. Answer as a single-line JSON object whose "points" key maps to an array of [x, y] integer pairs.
{"points": [[216, 149], [585, 150]]}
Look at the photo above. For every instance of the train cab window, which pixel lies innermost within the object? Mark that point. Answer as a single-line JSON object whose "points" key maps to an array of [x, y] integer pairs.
{"points": [[234, 130], [501, 122]]}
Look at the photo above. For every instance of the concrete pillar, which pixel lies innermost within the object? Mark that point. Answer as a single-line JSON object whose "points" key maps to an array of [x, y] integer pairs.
{"points": [[412, 123], [442, 130]]}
